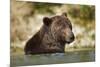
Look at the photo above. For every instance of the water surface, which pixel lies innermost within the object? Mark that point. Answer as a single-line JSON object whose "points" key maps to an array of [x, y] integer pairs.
{"points": [[55, 58]]}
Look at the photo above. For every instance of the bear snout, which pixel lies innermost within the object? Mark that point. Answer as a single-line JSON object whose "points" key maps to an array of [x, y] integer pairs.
{"points": [[72, 37], [69, 37]]}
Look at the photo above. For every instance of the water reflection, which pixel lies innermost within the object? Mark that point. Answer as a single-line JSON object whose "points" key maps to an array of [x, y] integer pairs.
{"points": [[69, 57]]}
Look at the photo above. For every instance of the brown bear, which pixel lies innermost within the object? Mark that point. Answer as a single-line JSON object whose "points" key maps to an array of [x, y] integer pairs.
{"points": [[55, 32]]}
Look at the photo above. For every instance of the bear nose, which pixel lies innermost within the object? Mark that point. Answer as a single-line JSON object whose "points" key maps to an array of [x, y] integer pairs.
{"points": [[72, 37]]}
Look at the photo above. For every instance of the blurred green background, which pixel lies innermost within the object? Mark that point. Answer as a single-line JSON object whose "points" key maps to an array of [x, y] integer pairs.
{"points": [[26, 20]]}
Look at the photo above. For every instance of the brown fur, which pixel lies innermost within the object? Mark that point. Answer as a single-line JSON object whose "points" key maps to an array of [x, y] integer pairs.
{"points": [[51, 38]]}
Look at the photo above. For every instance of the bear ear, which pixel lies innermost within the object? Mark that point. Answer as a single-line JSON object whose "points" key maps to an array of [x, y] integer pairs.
{"points": [[64, 14], [47, 21]]}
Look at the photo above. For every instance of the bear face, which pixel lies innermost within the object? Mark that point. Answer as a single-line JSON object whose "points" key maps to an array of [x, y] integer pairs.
{"points": [[60, 28]]}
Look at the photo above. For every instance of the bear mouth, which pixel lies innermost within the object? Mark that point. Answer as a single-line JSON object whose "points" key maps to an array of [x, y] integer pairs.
{"points": [[68, 42]]}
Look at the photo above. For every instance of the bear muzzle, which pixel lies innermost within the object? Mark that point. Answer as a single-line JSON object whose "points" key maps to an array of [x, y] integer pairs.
{"points": [[70, 38]]}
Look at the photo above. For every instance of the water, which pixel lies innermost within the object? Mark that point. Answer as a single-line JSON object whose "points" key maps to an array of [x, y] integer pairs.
{"points": [[56, 58]]}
